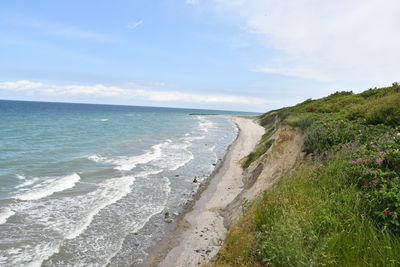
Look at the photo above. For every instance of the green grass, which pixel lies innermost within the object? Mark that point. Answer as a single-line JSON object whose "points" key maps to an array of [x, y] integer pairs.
{"points": [[312, 217], [341, 206]]}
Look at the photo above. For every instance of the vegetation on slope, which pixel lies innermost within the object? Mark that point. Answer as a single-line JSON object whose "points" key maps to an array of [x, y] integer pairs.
{"points": [[341, 206]]}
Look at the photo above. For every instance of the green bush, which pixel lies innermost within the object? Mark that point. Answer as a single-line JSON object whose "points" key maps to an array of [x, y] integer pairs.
{"points": [[375, 169], [312, 217], [325, 135]]}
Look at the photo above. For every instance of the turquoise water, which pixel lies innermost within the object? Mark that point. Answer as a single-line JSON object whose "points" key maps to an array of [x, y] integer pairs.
{"points": [[88, 185]]}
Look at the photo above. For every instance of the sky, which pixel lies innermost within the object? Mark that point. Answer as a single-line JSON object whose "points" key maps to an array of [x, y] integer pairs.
{"points": [[245, 55]]}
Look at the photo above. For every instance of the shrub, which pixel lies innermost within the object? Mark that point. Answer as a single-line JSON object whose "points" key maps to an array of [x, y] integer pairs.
{"points": [[325, 135]]}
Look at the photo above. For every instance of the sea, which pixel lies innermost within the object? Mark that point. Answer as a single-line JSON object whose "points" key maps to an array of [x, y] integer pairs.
{"points": [[97, 185]]}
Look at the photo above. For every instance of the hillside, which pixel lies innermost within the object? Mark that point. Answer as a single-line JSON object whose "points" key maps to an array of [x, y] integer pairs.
{"points": [[322, 187]]}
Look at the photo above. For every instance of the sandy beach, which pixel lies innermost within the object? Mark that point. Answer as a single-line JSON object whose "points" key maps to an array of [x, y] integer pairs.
{"points": [[201, 231]]}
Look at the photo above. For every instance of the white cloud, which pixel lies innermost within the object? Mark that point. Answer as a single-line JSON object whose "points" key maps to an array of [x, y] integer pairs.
{"points": [[135, 25], [100, 90], [22, 85], [325, 40]]}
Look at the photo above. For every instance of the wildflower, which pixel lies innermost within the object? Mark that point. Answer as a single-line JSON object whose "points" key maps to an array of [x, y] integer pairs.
{"points": [[373, 146], [352, 162], [387, 212], [359, 160], [381, 152], [379, 160], [365, 182]]}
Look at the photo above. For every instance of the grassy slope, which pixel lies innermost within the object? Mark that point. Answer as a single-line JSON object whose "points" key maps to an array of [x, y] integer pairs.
{"points": [[341, 206]]}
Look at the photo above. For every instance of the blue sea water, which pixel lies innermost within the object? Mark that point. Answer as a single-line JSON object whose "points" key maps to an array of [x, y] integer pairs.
{"points": [[88, 185]]}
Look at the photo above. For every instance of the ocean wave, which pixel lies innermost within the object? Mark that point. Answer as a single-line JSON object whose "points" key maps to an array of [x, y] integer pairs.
{"points": [[139, 225], [21, 177], [68, 216], [109, 192], [182, 162], [175, 156], [167, 185], [126, 163], [204, 124], [97, 158], [49, 187], [27, 183], [5, 213], [194, 138]]}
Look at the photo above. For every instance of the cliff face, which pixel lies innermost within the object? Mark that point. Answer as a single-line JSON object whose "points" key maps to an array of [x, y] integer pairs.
{"points": [[280, 158]]}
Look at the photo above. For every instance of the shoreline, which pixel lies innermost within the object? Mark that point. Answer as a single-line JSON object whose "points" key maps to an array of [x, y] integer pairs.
{"points": [[197, 234]]}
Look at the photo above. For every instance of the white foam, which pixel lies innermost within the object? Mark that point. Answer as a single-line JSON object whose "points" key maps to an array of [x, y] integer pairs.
{"points": [[167, 185], [175, 156], [182, 163], [42, 252], [155, 211], [97, 158], [204, 124], [125, 163], [49, 187], [109, 192], [28, 182], [5, 213], [21, 177], [194, 138]]}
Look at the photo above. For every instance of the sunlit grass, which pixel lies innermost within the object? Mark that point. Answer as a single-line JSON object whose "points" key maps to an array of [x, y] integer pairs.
{"points": [[312, 217]]}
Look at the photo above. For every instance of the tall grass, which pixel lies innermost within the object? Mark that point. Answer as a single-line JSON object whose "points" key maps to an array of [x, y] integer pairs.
{"points": [[312, 217]]}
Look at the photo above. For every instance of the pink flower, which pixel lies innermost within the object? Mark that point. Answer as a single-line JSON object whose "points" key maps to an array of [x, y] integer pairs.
{"points": [[352, 162], [379, 160], [387, 212], [365, 182], [381, 152], [359, 160]]}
